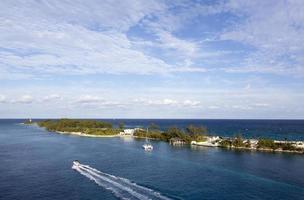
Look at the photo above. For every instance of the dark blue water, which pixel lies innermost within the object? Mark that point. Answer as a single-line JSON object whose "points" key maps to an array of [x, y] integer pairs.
{"points": [[275, 129], [36, 164]]}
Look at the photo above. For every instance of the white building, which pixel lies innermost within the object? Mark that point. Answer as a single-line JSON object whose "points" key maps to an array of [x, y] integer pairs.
{"points": [[213, 139], [128, 132]]}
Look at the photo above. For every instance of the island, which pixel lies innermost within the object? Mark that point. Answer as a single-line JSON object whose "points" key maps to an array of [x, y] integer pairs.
{"points": [[191, 135], [88, 128]]}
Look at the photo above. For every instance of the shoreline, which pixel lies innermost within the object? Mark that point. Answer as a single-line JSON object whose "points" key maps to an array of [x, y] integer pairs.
{"points": [[138, 137], [248, 148], [100, 136], [260, 149], [86, 135]]}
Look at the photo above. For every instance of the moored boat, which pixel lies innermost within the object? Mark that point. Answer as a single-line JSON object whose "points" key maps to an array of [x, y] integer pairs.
{"points": [[147, 147]]}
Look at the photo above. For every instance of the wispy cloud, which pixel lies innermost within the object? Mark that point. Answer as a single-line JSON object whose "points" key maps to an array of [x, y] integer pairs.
{"points": [[167, 102], [52, 97], [24, 99], [89, 99], [38, 38], [191, 58], [275, 29], [3, 99]]}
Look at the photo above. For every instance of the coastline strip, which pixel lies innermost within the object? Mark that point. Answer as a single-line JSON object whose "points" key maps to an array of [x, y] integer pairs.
{"points": [[85, 135]]}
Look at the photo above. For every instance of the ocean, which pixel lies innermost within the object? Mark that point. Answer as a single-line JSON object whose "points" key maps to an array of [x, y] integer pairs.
{"points": [[36, 164]]}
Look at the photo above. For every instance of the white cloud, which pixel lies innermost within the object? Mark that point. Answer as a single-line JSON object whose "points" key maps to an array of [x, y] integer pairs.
{"points": [[213, 107], [275, 29], [94, 14], [295, 71], [76, 51], [159, 102], [191, 103], [242, 107], [187, 48], [251, 106], [3, 99], [167, 102], [94, 53], [189, 69], [25, 99], [88, 99], [39, 38], [261, 105], [51, 97]]}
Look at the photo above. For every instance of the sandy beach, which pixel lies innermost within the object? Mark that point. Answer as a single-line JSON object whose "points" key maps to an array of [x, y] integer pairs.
{"points": [[85, 135]]}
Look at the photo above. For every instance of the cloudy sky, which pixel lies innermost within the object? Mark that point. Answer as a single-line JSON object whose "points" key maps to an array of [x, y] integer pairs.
{"points": [[152, 59]]}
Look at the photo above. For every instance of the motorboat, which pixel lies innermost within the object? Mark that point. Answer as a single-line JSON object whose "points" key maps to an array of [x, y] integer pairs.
{"points": [[76, 163]]}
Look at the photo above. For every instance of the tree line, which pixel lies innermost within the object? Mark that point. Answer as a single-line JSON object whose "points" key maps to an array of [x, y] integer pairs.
{"points": [[95, 127]]}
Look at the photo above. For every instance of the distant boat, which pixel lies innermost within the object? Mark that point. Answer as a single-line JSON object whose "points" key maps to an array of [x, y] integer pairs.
{"points": [[147, 146]]}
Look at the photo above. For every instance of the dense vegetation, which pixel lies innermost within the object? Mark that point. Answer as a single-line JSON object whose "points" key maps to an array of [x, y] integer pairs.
{"points": [[189, 134], [85, 126], [104, 128], [237, 142], [28, 121], [263, 144], [270, 144], [267, 144]]}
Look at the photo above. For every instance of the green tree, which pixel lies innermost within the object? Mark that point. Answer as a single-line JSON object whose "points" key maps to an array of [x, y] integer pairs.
{"points": [[247, 144], [267, 144], [226, 143], [153, 127], [193, 130], [196, 133], [238, 141], [121, 125]]}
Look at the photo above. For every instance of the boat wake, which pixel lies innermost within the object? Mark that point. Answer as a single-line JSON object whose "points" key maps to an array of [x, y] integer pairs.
{"points": [[120, 187]]}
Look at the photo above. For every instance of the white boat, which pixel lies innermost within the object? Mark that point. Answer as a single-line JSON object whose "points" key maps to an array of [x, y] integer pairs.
{"points": [[147, 147], [76, 163]]}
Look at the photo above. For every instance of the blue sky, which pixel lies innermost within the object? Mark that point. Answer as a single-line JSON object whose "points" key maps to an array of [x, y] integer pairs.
{"points": [[152, 59]]}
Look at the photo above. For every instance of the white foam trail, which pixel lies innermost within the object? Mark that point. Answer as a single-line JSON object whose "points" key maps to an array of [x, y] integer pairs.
{"points": [[121, 187], [128, 182], [116, 192]]}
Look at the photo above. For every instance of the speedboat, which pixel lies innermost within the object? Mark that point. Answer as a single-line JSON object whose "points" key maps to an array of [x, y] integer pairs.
{"points": [[147, 147], [76, 163]]}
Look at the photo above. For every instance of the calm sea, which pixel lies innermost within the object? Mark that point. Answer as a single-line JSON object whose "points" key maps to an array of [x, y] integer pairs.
{"points": [[36, 164]]}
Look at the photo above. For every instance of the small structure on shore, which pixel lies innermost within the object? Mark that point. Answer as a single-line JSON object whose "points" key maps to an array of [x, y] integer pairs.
{"points": [[128, 132], [213, 139], [29, 121], [253, 143], [177, 141]]}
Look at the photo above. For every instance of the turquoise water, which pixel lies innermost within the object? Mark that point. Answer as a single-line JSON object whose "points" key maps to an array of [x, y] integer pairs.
{"points": [[36, 164]]}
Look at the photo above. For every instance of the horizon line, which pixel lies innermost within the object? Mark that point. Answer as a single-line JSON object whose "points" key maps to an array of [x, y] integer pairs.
{"points": [[33, 118]]}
